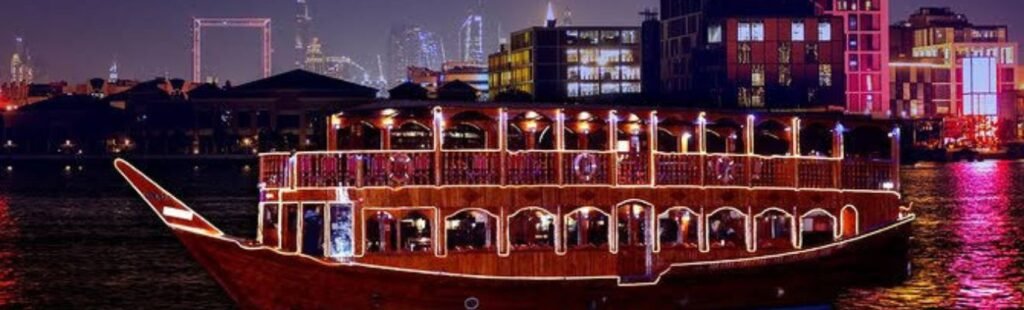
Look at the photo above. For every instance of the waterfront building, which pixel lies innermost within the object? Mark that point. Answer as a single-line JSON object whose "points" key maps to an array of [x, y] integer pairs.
{"points": [[963, 73], [776, 54], [556, 63]]}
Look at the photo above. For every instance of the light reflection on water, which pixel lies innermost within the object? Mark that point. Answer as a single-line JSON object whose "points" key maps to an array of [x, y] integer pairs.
{"points": [[67, 238], [8, 233]]}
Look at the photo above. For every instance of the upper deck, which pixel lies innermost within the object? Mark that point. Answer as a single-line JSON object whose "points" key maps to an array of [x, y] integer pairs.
{"points": [[451, 146]]}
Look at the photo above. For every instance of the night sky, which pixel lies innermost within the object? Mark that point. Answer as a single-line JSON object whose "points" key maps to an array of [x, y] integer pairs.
{"points": [[78, 39]]}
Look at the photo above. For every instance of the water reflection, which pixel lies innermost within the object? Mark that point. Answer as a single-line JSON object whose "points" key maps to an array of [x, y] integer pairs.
{"points": [[966, 248], [8, 234], [983, 264]]}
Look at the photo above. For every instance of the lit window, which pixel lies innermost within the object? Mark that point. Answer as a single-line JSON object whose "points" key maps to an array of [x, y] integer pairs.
{"points": [[757, 76], [825, 75], [785, 55], [715, 34], [785, 76], [572, 55], [824, 32], [744, 53], [743, 32], [757, 32], [798, 31]]}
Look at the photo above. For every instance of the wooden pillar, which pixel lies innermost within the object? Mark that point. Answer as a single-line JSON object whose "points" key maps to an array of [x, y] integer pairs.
{"points": [[503, 144], [894, 140], [333, 125], [559, 146], [748, 145], [837, 155], [438, 131], [613, 141], [702, 146], [652, 147], [794, 149]]}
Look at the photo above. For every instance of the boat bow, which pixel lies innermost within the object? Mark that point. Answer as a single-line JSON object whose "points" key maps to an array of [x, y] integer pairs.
{"points": [[171, 211]]}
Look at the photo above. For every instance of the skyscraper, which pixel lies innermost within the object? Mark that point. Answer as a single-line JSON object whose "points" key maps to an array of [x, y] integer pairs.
{"points": [[471, 37], [21, 63], [303, 33], [412, 46]]}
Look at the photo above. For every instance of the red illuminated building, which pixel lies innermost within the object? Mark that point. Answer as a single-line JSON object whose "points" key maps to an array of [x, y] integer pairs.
{"points": [[777, 54]]}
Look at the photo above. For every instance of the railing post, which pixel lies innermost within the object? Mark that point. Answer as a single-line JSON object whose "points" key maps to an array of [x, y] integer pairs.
{"points": [[503, 145], [613, 141]]}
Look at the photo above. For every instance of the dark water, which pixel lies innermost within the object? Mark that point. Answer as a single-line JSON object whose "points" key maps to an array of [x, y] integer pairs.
{"points": [[78, 237]]}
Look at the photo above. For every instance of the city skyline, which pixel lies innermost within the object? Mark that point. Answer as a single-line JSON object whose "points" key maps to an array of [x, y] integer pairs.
{"points": [[64, 50]]}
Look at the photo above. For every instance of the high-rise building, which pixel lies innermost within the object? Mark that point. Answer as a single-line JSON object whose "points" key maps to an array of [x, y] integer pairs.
{"points": [[412, 46], [315, 61], [21, 63], [947, 67], [303, 32], [471, 37], [555, 63]]}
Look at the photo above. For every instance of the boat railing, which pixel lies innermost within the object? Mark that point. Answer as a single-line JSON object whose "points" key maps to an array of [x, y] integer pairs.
{"points": [[399, 168]]}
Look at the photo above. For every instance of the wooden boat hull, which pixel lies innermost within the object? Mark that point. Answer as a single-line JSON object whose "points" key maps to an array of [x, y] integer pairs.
{"points": [[264, 278]]}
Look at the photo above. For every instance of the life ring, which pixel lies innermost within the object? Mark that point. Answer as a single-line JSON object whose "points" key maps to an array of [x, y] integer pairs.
{"points": [[585, 166], [723, 169], [401, 164]]}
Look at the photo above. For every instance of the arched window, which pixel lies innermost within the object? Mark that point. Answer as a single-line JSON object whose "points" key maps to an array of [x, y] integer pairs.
{"points": [[471, 230], [817, 227], [381, 233], [667, 142], [415, 233], [679, 227], [725, 136], [770, 139], [412, 136], [586, 228], [774, 229], [633, 221], [867, 142], [727, 228], [816, 140], [532, 228], [465, 136]]}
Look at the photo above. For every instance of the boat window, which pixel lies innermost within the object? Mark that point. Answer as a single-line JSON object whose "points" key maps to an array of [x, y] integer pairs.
{"points": [[415, 234], [270, 227], [471, 230], [817, 228], [381, 233], [678, 228], [341, 245], [727, 229], [770, 138], [774, 230], [532, 229], [465, 136], [633, 224], [289, 231], [412, 136], [313, 230], [586, 228]]}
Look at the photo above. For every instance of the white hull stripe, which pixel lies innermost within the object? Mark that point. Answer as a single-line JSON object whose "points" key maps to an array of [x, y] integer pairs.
{"points": [[180, 214]]}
